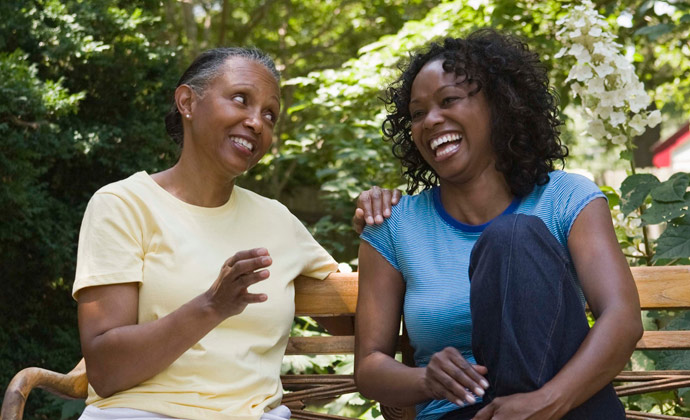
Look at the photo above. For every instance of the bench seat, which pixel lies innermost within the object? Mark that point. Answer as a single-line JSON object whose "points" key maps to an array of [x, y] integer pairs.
{"points": [[665, 288]]}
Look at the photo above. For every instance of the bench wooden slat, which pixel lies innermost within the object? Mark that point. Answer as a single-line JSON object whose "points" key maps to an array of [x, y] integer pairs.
{"points": [[337, 295], [651, 340], [344, 344], [663, 287], [659, 288], [664, 340]]}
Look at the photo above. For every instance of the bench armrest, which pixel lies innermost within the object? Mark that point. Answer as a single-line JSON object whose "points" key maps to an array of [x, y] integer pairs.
{"points": [[72, 385]]}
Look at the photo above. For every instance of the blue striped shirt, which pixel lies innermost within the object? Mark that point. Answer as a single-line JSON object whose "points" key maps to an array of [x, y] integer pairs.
{"points": [[431, 250]]}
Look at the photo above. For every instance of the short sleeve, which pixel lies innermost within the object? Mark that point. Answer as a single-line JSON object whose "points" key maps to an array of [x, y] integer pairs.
{"points": [[580, 192], [380, 237], [110, 244], [318, 262]]}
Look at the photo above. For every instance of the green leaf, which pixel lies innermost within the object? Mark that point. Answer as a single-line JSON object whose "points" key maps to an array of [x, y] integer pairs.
{"points": [[673, 243], [664, 212], [672, 190], [655, 31], [611, 195], [634, 191], [626, 154]]}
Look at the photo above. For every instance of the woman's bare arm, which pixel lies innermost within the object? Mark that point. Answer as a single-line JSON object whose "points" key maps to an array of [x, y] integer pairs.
{"points": [[377, 326], [120, 353], [379, 376]]}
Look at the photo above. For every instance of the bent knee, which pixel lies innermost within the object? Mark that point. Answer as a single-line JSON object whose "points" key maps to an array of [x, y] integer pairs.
{"points": [[511, 225]]}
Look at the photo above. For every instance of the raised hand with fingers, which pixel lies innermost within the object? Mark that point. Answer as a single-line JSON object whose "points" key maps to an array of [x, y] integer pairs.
{"points": [[228, 294], [373, 206], [451, 377]]}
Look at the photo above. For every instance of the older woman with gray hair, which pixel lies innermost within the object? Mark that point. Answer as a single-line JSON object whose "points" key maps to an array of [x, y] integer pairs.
{"points": [[179, 316]]}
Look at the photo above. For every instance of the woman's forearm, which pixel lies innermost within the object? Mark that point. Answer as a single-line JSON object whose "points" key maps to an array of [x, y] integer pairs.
{"points": [[124, 356], [601, 356], [382, 378]]}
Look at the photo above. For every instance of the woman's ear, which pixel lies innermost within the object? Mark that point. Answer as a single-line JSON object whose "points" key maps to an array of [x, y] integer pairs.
{"points": [[184, 97]]}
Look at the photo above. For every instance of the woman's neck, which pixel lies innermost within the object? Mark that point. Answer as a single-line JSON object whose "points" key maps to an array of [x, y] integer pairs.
{"points": [[195, 185], [478, 201]]}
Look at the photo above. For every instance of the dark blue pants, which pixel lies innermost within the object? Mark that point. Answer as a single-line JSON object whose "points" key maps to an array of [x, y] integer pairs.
{"points": [[527, 318]]}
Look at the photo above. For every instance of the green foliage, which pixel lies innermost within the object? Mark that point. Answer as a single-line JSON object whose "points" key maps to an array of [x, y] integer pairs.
{"points": [[660, 202], [84, 86]]}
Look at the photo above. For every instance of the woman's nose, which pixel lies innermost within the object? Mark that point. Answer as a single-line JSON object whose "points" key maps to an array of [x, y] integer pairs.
{"points": [[432, 118], [253, 121]]}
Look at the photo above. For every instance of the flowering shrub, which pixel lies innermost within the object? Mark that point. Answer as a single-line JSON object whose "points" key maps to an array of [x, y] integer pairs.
{"points": [[616, 104], [612, 95]]}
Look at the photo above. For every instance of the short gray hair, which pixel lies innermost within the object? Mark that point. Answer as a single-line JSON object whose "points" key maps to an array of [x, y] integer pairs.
{"points": [[206, 67]]}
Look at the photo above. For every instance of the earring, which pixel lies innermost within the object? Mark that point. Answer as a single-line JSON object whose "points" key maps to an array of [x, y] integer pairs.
{"points": [[188, 116]]}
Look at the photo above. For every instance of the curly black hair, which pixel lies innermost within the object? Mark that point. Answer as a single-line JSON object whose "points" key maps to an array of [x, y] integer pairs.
{"points": [[525, 132]]}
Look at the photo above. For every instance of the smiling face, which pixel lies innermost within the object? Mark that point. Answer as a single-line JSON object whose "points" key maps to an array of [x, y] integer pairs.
{"points": [[231, 124], [451, 124]]}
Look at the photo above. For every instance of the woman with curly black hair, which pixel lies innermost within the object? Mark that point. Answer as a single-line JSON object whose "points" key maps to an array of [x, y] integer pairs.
{"points": [[491, 263]]}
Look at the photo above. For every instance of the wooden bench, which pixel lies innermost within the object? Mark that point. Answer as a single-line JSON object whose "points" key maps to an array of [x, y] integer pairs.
{"points": [[659, 287]]}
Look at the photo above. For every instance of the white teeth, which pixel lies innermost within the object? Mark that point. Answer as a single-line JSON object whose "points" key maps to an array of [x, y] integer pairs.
{"points": [[242, 142], [447, 150], [435, 143]]}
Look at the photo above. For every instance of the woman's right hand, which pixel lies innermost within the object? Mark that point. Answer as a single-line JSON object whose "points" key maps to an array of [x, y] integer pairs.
{"points": [[373, 206], [229, 295], [451, 377]]}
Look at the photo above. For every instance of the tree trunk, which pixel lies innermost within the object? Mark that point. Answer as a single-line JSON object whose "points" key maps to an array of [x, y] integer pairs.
{"points": [[173, 34], [223, 23], [190, 27]]}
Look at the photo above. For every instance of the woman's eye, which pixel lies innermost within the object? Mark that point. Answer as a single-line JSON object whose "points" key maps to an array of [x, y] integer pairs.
{"points": [[240, 99], [270, 116], [449, 100], [416, 115]]}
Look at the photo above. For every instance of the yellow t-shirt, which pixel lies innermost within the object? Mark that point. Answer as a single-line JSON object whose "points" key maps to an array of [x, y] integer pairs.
{"points": [[135, 231]]}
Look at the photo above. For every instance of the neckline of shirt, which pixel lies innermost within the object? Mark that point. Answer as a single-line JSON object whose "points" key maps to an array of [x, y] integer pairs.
{"points": [[438, 205], [207, 211]]}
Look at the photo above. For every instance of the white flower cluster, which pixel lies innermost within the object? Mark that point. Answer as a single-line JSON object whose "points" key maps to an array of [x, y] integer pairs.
{"points": [[611, 93], [628, 233]]}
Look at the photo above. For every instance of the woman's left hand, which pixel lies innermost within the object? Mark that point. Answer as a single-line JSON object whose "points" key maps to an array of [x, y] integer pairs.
{"points": [[373, 206], [526, 406]]}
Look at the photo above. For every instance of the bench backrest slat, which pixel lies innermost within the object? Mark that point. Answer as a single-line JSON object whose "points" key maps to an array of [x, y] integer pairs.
{"points": [[337, 295], [663, 287], [659, 288]]}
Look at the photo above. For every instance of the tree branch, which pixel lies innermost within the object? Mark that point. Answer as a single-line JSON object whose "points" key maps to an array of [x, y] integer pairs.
{"points": [[34, 125], [257, 16]]}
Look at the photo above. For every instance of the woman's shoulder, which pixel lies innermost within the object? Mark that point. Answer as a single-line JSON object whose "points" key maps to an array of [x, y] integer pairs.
{"points": [[416, 202], [562, 183], [259, 204], [134, 184], [571, 177], [410, 207]]}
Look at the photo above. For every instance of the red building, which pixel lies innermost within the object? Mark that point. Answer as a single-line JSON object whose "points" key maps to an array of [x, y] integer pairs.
{"points": [[674, 152]]}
